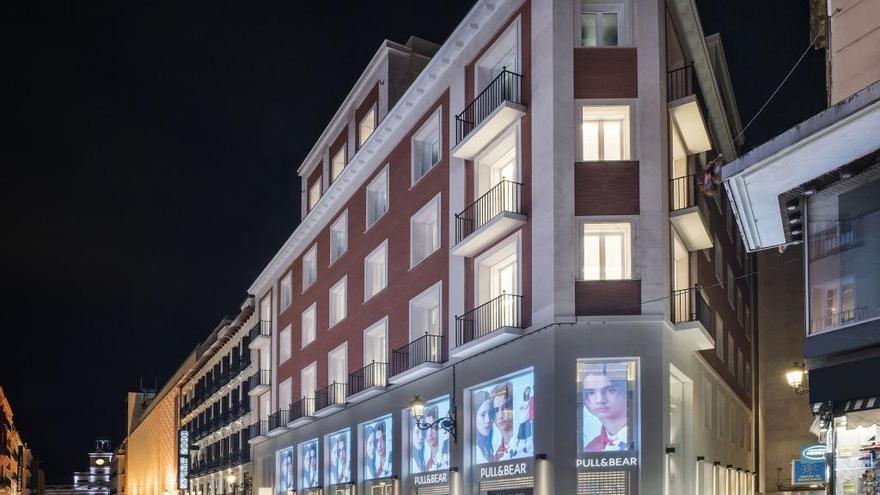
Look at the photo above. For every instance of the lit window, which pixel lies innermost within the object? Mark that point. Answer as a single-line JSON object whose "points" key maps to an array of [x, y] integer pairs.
{"points": [[339, 237], [719, 336], [314, 193], [600, 25], [426, 148], [605, 132], [309, 325], [338, 301], [425, 231], [309, 383], [286, 291], [377, 197], [424, 313], [337, 163], [366, 126], [310, 267], [284, 345], [606, 251], [376, 271]]}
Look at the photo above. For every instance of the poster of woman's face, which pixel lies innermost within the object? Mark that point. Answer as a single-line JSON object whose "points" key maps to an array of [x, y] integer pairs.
{"points": [[503, 415], [605, 405], [339, 447], [309, 461], [376, 438], [284, 471], [429, 449]]}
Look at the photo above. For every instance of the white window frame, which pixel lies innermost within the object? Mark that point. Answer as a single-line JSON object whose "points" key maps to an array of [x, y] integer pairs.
{"points": [[341, 223], [509, 140], [336, 313], [436, 204], [343, 152], [309, 193], [435, 290], [623, 10], [288, 386], [313, 367], [629, 142], [383, 322], [630, 271], [309, 330], [285, 289], [484, 263], [285, 344], [432, 125], [343, 349], [381, 250], [310, 265], [503, 44], [266, 302], [382, 178], [374, 113]]}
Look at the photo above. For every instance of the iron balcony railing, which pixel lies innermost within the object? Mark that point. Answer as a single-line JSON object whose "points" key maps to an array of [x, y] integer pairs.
{"points": [[502, 311], [507, 86], [279, 419], [503, 197], [690, 305], [372, 375], [426, 349], [236, 367], [261, 377], [680, 83], [333, 394], [259, 428], [682, 192], [261, 328], [841, 236], [302, 408]]}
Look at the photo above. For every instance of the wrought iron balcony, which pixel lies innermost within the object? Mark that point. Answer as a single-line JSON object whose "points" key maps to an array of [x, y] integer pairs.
{"points": [[493, 110], [501, 313], [330, 396], [690, 313], [260, 334], [278, 420], [302, 411], [417, 358], [259, 382], [258, 429], [373, 376], [493, 215]]}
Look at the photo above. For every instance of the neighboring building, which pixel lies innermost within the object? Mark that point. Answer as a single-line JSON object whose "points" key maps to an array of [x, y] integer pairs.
{"points": [[215, 407], [95, 481], [117, 471], [15, 456], [817, 186], [510, 226]]}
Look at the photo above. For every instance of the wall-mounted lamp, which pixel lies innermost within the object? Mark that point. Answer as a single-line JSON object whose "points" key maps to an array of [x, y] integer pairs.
{"points": [[447, 423], [796, 378], [231, 479]]}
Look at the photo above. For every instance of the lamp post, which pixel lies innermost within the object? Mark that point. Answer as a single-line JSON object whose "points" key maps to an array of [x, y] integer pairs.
{"points": [[796, 378], [230, 480], [447, 423]]}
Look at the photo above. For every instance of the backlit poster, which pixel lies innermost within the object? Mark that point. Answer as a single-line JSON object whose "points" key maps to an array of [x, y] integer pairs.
{"points": [[429, 449], [376, 448], [502, 419], [309, 461], [339, 449], [284, 471]]}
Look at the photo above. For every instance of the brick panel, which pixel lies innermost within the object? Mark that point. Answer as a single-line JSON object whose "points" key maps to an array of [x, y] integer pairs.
{"points": [[608, 297], [605, 73], [606, 188]]}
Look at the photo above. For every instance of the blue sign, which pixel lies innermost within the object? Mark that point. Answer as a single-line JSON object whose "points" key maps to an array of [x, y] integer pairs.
{"points": [[804, 473], [813, 452]]}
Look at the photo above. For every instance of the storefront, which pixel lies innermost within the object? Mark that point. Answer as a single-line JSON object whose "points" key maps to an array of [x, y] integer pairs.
{"points": [[854, 445]]}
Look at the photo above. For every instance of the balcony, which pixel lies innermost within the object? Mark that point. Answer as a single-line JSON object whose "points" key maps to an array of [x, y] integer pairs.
{"points": [[367, 382], [302, 412], [259, 382], [488, 325], [492, 111], [686, 111], [420, 357], [685, 214], [260, 335], [691, 315], [257, 432], [278, 422], [330, 399], [494, 215]]}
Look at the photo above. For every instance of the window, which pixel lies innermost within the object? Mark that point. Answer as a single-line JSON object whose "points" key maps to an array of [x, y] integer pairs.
{"points": [[719, 261], [601, 25], [310, 267], [377, 197], [748, 318], [285, 391], [376, 271], [731, 288], [740, 368], [376, 342], [606, 251], [314, 193], [266, 307], [426, 148], [424, 313], [337, 163], [338, 301], [740, 309], [605, 133], [731, 349], [286, 291], [748, 377], [719, 336], [707, 403], [425, 231], [722, 416], [337, 365], [366, 126], [339, 237], [309, 325], [284, 343], [309, 381]]}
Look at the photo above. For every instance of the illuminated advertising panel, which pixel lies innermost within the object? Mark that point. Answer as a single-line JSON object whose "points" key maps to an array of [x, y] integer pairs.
{"points": [[310, 464], [607, 436], [284, 471], [339, 448], [183, 459], [377, 448], [429, 449]]}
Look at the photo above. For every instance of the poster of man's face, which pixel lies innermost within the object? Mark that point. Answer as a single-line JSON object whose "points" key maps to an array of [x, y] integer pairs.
{"points": [[429, 449], [339, 448], [284, 470], [605, 391], [376, 438], [503, 418], [309, 456]]}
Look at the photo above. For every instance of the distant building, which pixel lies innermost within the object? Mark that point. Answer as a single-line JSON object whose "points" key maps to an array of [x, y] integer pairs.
{"points": [[117, 471], [15, 456], [95, 481]]}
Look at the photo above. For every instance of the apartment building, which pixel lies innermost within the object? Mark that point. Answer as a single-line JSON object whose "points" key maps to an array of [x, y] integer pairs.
{"points": [[215, 406], [512, 274], [15, 455], [816, 186]]}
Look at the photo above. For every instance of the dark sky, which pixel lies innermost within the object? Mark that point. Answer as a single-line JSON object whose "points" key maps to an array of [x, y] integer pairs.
{"points": [[149, 172]]}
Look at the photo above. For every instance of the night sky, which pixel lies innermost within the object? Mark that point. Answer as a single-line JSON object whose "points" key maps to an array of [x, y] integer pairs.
{"points": [[149, 172]]}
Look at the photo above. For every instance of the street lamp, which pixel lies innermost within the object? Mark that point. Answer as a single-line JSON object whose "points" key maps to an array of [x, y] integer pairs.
{"points": [[796, 377], [447, 423], [230, 480]]}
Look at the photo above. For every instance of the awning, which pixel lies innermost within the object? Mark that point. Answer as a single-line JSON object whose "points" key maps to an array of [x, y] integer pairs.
{"points": [[854, 382], [856, 405]]}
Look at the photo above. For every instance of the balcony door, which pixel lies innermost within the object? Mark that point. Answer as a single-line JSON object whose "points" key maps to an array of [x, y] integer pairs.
{"points": [[496, 173], [680, 278], [504, 53], [337, 372], [376, 351], [308, 384]]}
